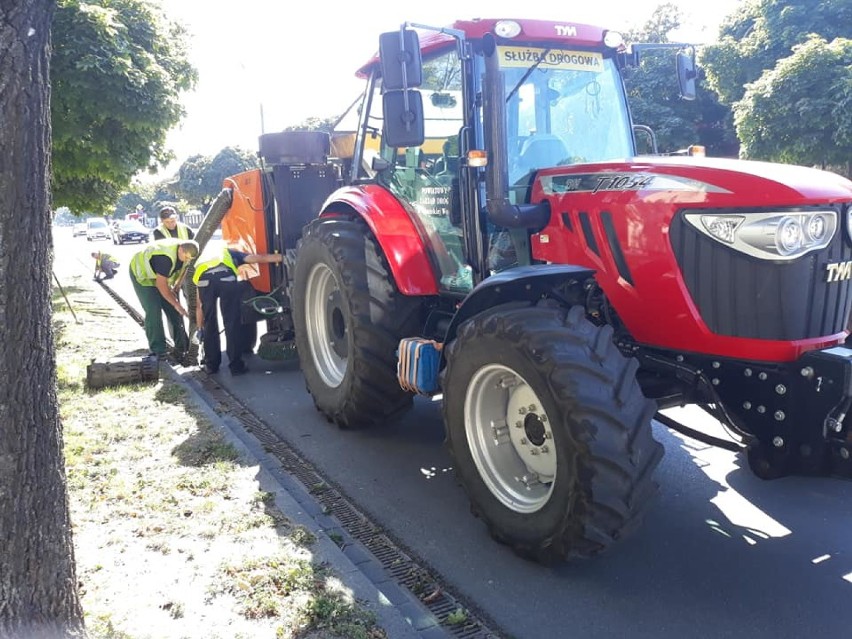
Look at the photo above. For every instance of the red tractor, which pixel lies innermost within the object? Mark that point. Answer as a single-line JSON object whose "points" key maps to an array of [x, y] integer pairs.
{"points": [[486, 231]]}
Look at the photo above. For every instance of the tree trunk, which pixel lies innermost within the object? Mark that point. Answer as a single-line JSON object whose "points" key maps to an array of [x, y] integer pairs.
{"points": [[38, 585]]}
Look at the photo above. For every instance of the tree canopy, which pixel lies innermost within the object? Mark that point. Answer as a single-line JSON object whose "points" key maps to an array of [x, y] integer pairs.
{"points": [[785, 68], [761, 32], [799, 111], [654, 99], [118, 70], [315, 124], [200, 177]]}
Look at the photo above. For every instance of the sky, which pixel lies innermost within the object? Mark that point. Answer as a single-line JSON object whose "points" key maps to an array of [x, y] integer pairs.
{"points": [[265, 64]]}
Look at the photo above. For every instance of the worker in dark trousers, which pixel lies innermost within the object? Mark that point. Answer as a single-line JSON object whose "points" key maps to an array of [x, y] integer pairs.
{"points": [[105, 266], [218, 279]]}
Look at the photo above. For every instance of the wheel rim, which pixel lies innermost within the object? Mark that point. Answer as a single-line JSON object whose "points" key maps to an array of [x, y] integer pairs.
{"points": [[510, 438], [326, 326]]}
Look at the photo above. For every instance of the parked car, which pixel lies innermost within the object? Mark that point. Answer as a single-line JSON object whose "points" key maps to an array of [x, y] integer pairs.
{"points": [[129, 231], [79, 229], [97, 229]]}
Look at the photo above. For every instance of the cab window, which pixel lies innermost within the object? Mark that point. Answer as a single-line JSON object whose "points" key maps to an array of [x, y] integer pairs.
{"points": [[425, 177]]}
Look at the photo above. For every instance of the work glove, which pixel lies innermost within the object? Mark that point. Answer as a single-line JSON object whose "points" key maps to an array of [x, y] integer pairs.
{"points": [[198, 337]]}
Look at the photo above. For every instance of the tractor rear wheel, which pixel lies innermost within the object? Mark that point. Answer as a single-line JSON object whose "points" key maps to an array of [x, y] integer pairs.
{"points": [[349, 318], [549, 430]]}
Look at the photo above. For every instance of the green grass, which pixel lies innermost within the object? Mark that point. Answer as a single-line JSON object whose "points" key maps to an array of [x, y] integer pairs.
{"points": [[261, 586], [151, 480]]}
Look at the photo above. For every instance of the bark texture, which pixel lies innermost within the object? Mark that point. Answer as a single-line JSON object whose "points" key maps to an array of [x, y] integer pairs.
{"points": [[38, 588]]}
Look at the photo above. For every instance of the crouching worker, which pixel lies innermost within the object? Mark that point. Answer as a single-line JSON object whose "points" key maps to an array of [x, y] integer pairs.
{"points": [[105, 266], [218, 279], [151, 269]]}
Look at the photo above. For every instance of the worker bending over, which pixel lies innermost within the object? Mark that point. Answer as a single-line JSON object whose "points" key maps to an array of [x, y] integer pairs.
{"points": [[105, 266], [151, 269]]}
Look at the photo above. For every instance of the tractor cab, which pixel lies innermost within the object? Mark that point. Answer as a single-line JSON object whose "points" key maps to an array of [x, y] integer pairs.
{"points": [[561, 102]]}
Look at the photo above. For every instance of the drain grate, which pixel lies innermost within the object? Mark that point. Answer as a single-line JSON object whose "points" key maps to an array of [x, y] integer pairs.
{"points": [[408, 572]]}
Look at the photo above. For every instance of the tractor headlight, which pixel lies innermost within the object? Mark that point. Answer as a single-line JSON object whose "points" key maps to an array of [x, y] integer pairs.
{"points": [[789, 236], [771, 235]]}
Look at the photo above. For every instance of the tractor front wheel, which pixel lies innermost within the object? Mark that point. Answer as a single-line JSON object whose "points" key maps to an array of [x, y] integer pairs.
{"points": [[549, 430]]}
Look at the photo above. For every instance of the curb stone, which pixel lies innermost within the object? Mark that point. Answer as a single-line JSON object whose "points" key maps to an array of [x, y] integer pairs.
{"points": [[398, 612]]}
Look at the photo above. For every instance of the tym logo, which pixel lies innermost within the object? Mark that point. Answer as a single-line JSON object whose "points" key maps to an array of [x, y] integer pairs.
{"points": [[839, 271], [565, 30]]}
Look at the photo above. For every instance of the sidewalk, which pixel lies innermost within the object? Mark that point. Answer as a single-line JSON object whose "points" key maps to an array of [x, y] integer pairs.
{"points": [[105, 331]]}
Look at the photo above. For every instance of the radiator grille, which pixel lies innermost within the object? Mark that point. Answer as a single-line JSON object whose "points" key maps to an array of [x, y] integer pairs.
{"points": [[741, 296]]}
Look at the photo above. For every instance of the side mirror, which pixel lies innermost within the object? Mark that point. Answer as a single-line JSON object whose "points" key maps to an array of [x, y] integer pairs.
{"points": [[403, 118], [399, 52], [379, 164], [686, 75]]}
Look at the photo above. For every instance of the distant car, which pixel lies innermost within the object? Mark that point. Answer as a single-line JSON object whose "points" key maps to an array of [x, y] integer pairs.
{"points": [[129, 231], [97, 229], [79, 229]]}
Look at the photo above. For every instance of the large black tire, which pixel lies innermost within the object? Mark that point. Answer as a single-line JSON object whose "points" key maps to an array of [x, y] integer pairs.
{"points": [[543, 379], [349, 318]]}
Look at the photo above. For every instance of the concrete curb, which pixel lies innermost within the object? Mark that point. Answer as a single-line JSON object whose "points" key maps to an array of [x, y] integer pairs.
{"points": [[397, 611]]}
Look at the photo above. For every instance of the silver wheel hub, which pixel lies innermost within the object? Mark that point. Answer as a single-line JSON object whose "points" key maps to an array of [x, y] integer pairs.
{"points": [[510, 438], [327, 332]]}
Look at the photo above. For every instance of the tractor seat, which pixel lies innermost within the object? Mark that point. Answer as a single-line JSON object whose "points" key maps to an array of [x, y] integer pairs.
{"points": [[542, 151]]}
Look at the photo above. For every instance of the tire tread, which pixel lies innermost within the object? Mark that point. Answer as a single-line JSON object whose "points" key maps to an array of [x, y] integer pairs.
{"points": [[605, 415]]}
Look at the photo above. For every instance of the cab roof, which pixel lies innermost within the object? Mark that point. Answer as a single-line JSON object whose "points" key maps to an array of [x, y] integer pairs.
{"points": [[565, 33]]}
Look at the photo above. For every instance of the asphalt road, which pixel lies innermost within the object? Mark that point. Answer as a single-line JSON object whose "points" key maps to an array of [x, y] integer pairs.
{"points": [[721, 554]]}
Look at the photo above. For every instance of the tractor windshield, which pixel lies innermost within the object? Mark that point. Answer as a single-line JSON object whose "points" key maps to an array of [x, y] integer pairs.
{"points": [[563, 107]]}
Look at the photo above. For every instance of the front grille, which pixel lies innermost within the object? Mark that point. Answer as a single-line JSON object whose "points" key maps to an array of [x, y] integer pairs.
{"points": [[741, 296]]}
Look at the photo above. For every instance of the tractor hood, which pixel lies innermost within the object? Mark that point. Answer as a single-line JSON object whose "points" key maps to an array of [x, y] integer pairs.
{"points": [[627, 221], [700, 181]]}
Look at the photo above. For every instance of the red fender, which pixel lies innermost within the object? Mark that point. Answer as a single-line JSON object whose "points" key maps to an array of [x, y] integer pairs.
{"points": [[394, 230]]}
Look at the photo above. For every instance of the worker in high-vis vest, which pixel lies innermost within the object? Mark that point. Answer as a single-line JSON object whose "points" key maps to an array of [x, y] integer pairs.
{"points": [[218, 278], [105, 266], [170, 226], [150, 271]]}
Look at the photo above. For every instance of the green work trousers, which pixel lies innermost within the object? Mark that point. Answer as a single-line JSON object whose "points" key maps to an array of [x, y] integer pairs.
{"points": [[154, 305]]}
